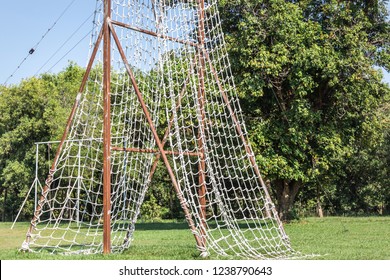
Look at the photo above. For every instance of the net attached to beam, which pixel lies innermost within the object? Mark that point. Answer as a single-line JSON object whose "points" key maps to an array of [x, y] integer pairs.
{"points": [[176, 52]]}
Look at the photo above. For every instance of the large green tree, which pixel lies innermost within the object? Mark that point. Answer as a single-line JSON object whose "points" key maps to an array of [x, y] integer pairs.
{"points": [[307, 75]]}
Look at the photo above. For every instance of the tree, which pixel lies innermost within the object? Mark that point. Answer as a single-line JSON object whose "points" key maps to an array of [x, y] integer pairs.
{"points": [[305, 71], [367, 170], [35, 110]]}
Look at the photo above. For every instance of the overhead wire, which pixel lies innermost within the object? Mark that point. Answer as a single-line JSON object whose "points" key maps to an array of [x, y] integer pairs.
{"points": [[34, 48], [74, 46], [70, 50], [64, 43]]}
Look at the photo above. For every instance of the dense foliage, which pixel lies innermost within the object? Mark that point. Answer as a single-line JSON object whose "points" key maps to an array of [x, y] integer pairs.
{"points": [[35, 110], [316, 108], [307, 72]]}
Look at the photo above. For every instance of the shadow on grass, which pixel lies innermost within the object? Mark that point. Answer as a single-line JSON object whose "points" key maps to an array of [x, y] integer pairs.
{"points": [[165, 225], [161, 226]]}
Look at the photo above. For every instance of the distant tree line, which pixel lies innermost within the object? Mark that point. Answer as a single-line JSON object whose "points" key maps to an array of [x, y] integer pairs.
{"points": [[307, 73]]}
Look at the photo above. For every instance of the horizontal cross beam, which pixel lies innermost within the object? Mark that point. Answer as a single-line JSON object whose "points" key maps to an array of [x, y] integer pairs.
{"points": [[151, 151], [155, 34]]}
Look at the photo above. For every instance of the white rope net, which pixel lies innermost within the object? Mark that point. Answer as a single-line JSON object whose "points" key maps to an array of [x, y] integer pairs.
{"points": [[182, 69]]}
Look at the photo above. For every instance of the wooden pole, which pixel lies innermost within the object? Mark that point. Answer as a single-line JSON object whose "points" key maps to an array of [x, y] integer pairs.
{"points": [[201, 132], [106, 129]]}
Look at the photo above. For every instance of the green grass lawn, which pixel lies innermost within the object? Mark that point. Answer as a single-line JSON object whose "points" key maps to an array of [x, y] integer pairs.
{"points": [[332, 238]]}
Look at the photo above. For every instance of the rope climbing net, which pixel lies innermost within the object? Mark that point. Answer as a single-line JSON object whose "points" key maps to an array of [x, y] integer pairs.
{"points": [[173, 99]]}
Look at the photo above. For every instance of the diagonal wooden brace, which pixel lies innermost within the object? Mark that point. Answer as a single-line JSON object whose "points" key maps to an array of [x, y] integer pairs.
{"points": [[160, 146]]}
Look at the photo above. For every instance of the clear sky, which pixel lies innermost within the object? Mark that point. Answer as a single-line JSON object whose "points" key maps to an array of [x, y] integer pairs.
{"points": [[24, 22]]}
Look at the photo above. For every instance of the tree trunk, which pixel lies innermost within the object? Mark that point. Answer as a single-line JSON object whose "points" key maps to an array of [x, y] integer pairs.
{"points": [[171, 203], [319, 206], [4, 205], [319, 210], [286, 191]]}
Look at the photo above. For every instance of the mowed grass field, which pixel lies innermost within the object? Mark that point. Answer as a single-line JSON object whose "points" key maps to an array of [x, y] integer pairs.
{"points": [[331, 238]]}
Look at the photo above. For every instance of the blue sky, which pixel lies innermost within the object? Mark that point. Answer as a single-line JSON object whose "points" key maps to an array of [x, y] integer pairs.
{"points": [[23, 24]]}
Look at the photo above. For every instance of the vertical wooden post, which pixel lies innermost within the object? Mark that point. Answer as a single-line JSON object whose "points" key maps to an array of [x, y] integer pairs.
{"points": [[201, 132], [106, 129]]}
